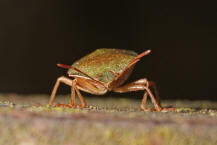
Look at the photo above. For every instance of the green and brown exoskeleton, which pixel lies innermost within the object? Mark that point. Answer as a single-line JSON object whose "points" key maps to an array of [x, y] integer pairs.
{"points": [[104, 70]]}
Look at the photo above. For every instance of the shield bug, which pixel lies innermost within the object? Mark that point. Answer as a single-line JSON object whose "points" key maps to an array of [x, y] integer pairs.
{"points": [[104, 70]]}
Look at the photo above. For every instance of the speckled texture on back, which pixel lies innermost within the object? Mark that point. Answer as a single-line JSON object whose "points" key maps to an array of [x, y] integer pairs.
{"points": [[101, 62]]}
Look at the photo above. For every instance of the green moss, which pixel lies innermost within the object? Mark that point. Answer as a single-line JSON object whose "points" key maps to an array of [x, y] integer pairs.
{"points": [[188, 110]]}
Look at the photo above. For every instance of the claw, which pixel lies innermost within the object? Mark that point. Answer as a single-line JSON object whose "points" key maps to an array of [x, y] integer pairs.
{"points": [[157, 110], [59, 105], [168, 109], [144, 108], [70, 106], [64, 105]]}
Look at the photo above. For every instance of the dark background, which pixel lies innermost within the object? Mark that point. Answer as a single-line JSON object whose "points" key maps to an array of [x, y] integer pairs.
{"points": [[37, 34]]}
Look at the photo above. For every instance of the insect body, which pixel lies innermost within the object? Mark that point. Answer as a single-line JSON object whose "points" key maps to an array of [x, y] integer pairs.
{"points": [[103, 70]]}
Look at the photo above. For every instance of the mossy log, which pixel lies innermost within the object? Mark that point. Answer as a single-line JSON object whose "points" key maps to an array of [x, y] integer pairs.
{"points": [[105, 121]]}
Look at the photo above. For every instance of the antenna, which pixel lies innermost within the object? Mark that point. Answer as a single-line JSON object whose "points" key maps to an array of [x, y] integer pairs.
{"points": [[76, 69], [137, 58]]}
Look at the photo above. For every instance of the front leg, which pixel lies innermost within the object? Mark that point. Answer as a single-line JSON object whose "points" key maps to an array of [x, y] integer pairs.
{"points": [[62, 79], [143, 84], [73, 85]]}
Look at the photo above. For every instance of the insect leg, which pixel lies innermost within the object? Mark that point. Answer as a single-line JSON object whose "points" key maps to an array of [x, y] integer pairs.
{"points": [[83, 102], [154, 86], [144, 99], [73, 92], [154, 101], [62, 79], [141, 84], [151, 84]]}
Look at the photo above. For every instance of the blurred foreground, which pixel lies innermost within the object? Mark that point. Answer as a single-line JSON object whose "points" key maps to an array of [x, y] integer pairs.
{"points": [[105, 121]]}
